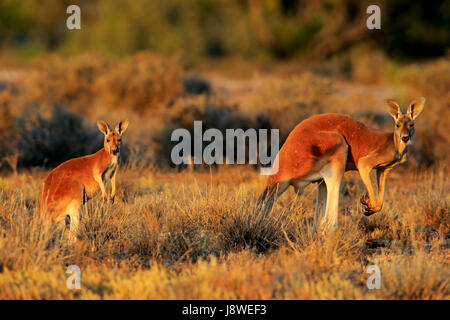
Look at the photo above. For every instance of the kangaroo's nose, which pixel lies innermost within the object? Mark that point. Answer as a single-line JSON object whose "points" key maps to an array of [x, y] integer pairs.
{"points": [[405, 139]]}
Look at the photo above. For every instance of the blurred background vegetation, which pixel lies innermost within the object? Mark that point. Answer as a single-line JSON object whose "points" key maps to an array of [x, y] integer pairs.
{"points": [[230, 63], [279, 29]]}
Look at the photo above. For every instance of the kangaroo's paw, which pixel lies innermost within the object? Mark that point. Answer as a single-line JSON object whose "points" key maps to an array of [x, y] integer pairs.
{"points": [[369, 209], [365, 200]]}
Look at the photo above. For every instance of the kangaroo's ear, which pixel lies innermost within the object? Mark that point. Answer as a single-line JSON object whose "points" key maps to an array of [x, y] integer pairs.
{"points": [[103, 127], [416, 107], [122, 126], [394, 109]]}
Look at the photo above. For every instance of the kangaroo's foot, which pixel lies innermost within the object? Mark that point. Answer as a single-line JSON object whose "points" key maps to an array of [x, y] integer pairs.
{"points": [[369, 209]]}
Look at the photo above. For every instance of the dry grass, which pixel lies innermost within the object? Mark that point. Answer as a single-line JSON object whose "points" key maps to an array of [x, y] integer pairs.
{"points": [[169, 231], [174, 234]]}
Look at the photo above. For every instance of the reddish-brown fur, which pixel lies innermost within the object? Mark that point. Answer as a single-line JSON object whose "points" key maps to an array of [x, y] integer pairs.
{"points": [[321, 148], [302, 150], [72, 177], [75, 181]]}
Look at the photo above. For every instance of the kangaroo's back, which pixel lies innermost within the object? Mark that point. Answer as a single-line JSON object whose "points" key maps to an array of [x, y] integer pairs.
{"points": [[359, 137], [64, 184]]}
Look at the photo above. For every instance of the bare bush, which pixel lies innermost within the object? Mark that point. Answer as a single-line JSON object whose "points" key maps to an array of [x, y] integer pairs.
{"points": [[433, 82], [143, 83], [8, 135], [68, 82], [50, 140]]}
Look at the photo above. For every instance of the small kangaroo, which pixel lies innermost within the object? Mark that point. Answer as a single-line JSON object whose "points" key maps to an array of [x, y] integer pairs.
{"points": [[320, 149], [75, 181]]}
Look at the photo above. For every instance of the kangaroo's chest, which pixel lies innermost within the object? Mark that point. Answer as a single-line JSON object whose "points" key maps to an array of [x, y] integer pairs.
{"points": [[109, 171], [393, 163]]}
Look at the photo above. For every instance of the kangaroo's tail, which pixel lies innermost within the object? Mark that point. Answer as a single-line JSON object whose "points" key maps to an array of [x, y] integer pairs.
{"points": [[265, 201]]}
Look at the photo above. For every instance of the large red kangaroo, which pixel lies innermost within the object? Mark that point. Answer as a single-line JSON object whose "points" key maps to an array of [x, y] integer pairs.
{"points": [[77, 180], [321, 148]]}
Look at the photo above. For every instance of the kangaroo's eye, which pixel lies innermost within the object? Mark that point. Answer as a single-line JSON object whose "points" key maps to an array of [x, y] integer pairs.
{"points": [[120, 140], [398, 125], [412, 125], [107, 140]]}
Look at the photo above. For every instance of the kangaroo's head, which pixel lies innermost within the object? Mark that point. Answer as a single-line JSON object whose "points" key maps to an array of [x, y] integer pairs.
{"points": [[113, 138], [404, 122]]}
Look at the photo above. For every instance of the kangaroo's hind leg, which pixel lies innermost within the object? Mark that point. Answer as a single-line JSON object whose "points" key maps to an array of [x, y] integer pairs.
{"points": [[321, 199], [72, 212], [69, 208], [332, 175]]}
